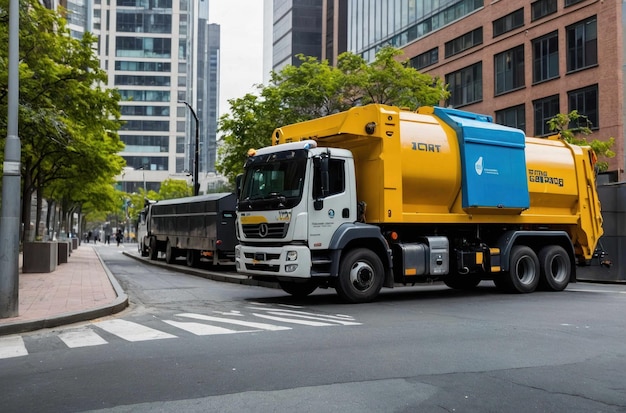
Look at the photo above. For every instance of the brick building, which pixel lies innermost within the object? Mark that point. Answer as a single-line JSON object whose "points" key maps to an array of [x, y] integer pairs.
{"points": [[520, 61]]}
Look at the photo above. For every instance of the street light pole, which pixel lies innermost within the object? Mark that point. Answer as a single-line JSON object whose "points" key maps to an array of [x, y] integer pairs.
{"points": [[196, 183], [10, 216]]}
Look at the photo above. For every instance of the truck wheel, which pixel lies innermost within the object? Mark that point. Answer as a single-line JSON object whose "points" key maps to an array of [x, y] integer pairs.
{"points": [[556, 268], [523, 275], [462, 282], [298, 289], [153, 252], [361, 276], [170, 252], [144, 250], [193, 256]]}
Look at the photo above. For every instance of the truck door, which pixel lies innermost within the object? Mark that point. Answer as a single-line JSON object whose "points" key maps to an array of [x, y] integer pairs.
{"points": [[327, 211]]}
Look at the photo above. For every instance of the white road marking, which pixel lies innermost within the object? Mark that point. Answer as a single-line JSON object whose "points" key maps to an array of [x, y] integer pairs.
{"points": [[130, 331], [338, 318], [294, 321], [12, 346], [204, 329], [260, 326], [83, 338]]}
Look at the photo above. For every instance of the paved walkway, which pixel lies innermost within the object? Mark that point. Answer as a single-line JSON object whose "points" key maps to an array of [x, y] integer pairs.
{"points": [[81, 289]]}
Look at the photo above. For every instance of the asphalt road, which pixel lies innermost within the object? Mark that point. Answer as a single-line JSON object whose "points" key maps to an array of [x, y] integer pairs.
{"points": [[189, 344]]}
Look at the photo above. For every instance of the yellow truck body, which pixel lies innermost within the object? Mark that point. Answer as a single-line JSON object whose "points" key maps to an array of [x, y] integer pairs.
{"points": [[378, 196]]}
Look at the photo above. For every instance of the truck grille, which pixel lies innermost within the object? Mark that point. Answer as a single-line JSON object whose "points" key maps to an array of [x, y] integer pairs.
{"points": [[264, 230], [260, 256], [263, 267]]}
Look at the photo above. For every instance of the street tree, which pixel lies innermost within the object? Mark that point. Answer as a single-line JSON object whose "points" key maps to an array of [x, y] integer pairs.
{"points": [[574, 128], [67, 119], [315, 88]]}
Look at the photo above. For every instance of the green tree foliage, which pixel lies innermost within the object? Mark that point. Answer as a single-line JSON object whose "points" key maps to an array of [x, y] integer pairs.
{"points": [[170, 189], [313, 89], [67, 121], [577, 135]]}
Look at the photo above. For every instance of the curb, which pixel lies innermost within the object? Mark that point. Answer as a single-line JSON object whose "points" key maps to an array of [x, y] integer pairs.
{"points": [[211, 275], [119, 304]]}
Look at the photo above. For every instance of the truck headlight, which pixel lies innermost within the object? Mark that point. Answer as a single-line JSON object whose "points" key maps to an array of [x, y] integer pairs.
{"points": [[292, 255], [237, 253], [291, 267]]}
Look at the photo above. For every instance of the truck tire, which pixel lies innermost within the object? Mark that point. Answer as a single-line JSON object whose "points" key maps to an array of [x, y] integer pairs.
{"points": [[153, 252], [144, 251], [556, 268], [170, 253], [193, 257], [523, 275], [298, 289], [361, 276]]}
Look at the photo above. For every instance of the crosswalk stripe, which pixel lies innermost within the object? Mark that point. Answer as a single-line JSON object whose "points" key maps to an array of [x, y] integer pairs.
{"points": [[294, 321], [130, 331], [83, 338], [200, 329], [261, 326], [329, 319], [12, 346], [338, 318]]}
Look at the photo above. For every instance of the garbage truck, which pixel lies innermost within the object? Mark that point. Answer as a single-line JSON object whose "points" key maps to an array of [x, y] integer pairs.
{"points": [[377, 196], [195, 227]]}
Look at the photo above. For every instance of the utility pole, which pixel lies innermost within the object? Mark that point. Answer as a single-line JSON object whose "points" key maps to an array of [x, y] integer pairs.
{"points": [[10, 216], [196, 175]]}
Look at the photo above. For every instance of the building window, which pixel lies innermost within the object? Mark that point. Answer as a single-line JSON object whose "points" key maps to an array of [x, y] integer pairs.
{"points": [[180, 144], [514, 117], [142, 80], [462, 43], [582, 44], [585, 102], [138, 143], [155, 163], [143, 66], [143, 47], [509, 68], [545, 109], [145, 110], [145, 95], [180, 165], [509, 22], [466, 85], [546, 57], [425, 59], [146, 125], [571, 2], [542, 8]]}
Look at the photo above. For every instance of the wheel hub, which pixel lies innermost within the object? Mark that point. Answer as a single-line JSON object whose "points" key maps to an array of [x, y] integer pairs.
{"points": [[361, 276]]}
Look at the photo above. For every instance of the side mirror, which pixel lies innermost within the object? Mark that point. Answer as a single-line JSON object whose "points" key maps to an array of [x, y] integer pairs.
{"points": [[238, 179]]}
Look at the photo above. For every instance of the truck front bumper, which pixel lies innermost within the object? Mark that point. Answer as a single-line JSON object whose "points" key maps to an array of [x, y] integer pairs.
{"points": [[293, 261]]}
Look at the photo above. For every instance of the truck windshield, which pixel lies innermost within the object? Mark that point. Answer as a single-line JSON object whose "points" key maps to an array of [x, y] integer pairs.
{"points": [[273, 180]]}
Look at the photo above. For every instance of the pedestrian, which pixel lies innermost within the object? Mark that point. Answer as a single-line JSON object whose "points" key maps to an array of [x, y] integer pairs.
{"points": [[88, 236], [119, 236]]}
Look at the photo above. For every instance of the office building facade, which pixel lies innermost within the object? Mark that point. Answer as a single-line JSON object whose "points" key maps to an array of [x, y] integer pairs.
{"points": [[156, 53], [521, 62]]}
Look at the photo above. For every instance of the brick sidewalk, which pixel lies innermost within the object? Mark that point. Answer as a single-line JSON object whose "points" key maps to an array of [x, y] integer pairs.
{"points": [[77, 290]]}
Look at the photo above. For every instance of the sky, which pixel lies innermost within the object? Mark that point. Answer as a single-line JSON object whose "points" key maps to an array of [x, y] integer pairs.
{"points": [[241, 48]]}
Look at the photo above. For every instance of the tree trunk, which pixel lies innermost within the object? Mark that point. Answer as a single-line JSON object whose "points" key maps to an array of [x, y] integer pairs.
{"points": [[50, 218], [27, 192], [38, 212]]}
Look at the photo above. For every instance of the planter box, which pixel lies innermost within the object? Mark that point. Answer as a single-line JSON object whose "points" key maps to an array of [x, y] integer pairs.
{"points": [[74, 243], [63, 252], [40, 256]]}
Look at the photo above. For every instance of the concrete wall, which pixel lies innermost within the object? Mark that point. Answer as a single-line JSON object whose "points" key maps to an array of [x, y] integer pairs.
{"points": [[613, 242]]}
